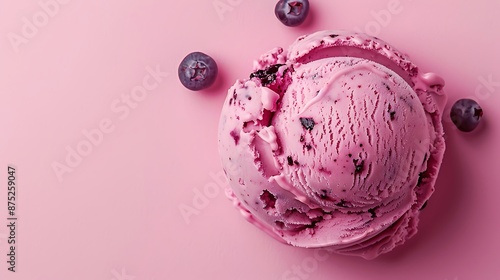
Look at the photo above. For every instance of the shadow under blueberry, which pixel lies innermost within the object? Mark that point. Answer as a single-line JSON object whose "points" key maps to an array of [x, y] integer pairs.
{"points": [[220, 85]]}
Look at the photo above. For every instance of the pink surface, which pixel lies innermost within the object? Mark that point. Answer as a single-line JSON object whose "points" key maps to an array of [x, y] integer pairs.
{"points": [[116, 213]]}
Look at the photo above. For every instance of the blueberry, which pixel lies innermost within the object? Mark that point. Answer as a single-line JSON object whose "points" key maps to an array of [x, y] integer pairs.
{"points": [[466, 114], [197, 71], [292, 12]]}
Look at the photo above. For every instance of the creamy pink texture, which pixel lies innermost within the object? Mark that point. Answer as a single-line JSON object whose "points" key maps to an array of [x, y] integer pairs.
{"points": [[339, 145]]}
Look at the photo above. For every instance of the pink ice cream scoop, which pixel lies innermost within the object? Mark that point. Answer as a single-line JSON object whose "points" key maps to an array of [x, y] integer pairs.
{"points": [[335, 143]]}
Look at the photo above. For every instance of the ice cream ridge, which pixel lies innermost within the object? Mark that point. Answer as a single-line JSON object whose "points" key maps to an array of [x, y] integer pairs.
{"points": [[335, 143]]}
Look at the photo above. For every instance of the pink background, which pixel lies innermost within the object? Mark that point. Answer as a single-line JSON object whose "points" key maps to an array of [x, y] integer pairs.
{"points": [[116, 215]]}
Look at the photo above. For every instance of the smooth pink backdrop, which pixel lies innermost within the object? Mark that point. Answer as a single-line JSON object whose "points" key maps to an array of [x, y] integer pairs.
{"points": [[116, 215]]}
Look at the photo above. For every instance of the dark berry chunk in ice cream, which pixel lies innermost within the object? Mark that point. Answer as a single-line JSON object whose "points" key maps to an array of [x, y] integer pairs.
{"points": [[307, 123], [372, 212], [268, 199], [359, 165], [268, 75], [292, 12], [197, 71], [466, 114]]}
